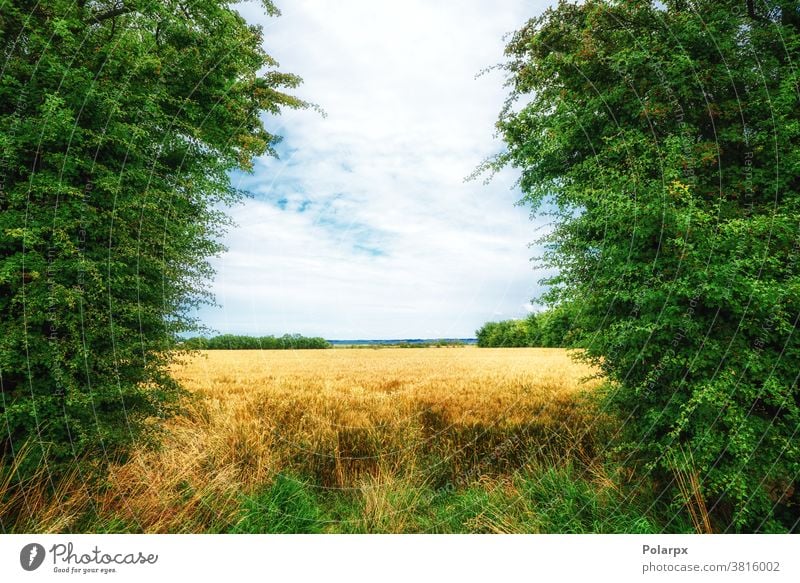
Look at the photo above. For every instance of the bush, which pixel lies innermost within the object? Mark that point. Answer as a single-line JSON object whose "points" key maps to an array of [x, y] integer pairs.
{"points": [[119, 131], [553, 328], [667, 150]]}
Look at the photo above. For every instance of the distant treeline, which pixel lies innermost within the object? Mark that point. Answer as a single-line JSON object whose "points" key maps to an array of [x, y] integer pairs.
{"points": [[552, 328], [236, 342], [444, 343]]}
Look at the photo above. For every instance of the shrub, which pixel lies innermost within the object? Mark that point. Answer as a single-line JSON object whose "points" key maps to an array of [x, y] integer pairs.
{"points": [[119, 130], [667, 150]]}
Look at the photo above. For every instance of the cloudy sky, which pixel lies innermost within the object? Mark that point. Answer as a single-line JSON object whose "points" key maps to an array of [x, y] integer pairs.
{"points": [[365, 227]]}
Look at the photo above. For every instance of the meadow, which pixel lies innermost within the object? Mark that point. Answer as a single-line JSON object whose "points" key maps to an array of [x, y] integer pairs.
{"points": [[451, 439]]}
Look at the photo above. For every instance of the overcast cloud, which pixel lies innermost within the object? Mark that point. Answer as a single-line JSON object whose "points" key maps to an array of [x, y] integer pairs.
{"points": [[365, 228]]}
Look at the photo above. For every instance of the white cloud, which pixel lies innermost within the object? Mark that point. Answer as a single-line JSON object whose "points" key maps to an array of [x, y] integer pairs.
{"points": [[365, 227]]}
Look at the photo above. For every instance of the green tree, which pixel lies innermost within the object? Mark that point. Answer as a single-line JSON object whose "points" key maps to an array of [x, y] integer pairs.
{"points": [[553, 328], [120, 122], [533, 330], [664, 137], [556, 326], [485, 334], [505, 334]]}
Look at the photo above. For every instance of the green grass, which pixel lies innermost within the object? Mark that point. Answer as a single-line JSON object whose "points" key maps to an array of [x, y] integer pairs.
{"points": [[547, 501], [289, 505]]}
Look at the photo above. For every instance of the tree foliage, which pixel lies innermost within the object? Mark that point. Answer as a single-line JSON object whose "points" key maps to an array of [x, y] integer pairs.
{"points": [[664, 137], [507, 334], [553, 328], [119, 125]]}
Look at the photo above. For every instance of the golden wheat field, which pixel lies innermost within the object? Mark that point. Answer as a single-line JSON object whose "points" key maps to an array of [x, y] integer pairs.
{"points": [[365, 421]]}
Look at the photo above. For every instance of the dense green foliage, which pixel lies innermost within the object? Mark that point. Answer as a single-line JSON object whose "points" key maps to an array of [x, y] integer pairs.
{"points": [[551, 329], [119, 125], [235, 342], [508, 333], [665, 140]]}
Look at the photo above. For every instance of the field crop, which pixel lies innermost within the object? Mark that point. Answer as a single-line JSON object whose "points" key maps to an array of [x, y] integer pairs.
{"points": [[456, 439], [340, 415]]}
